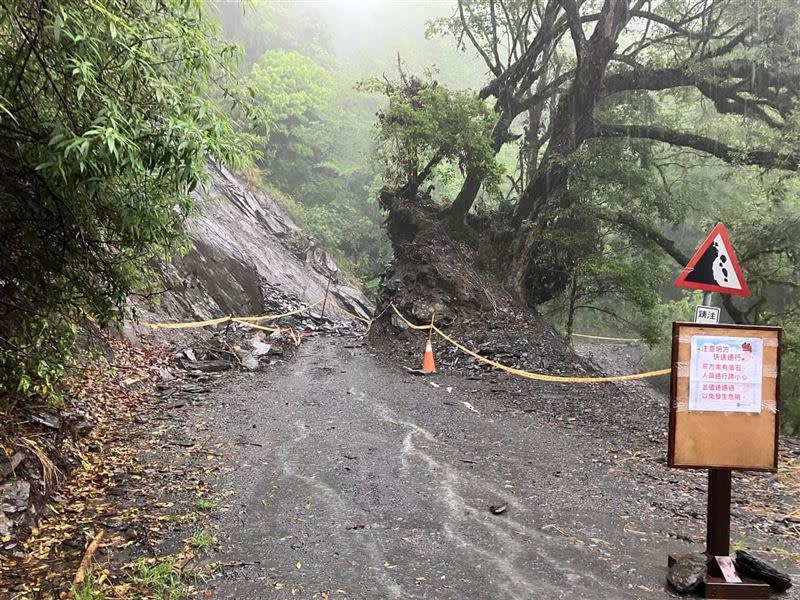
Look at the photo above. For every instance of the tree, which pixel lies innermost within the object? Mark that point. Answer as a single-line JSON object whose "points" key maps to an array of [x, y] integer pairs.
{"points": [[295, 94], [568, 67], [426, 125], [106, 124]]}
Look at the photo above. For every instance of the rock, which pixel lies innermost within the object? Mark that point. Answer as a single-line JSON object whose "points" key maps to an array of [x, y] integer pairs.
{"points": [[47, 419], [14, 496], [244, 248], [398, 322], [688, 572], [189, 353], [7, 467], [259, 348], [249, 361], [6, 525], [164, 373], [754, 567], [207, 366]]}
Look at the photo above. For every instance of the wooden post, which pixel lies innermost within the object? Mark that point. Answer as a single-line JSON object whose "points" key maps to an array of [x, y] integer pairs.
{"points": [[718, 520], [718, 516], [325, 301]]}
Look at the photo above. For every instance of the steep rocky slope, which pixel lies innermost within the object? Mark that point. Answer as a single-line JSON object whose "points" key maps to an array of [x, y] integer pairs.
{"points": [[248, 257]]}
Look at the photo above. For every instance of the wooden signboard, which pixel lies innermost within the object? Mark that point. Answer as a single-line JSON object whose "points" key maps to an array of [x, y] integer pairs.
{"points": [[725, 394]]}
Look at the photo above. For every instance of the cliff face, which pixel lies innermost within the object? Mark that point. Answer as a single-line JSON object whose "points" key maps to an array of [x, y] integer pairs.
{"points": [[248, 257]]}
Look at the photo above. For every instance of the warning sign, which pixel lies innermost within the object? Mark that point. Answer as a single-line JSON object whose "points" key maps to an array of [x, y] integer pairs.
{"points": [[714, 267], [726, 374]]}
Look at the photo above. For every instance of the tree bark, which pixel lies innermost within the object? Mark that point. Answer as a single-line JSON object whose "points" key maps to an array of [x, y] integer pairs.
{"points": [[574, 119]]}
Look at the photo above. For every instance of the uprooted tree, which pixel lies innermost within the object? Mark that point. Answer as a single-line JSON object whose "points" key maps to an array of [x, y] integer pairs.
{"points": [[606, 102]]}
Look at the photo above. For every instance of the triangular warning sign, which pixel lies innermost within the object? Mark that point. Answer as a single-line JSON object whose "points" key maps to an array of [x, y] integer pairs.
{"points": [[714, 267]]}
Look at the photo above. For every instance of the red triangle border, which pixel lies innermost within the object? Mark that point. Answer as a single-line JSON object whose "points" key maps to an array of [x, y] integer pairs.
{"points": [[719, 229]]}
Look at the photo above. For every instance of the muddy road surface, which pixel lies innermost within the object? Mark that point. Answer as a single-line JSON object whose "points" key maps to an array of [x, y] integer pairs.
{"points": [[352, 479]]}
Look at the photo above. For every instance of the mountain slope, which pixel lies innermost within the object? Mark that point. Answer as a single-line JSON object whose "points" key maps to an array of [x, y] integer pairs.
{"points": [[248, 257]]}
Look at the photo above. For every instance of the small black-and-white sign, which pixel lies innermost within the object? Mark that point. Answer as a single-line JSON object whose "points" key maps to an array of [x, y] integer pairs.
{"points": [[706, 314]]}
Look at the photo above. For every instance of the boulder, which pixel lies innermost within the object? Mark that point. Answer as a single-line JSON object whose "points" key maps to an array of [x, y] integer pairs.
{"points": [[754, 567], [688, 572]]}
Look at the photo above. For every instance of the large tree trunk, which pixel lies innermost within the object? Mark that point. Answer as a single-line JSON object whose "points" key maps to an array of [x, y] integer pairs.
{"points": [[572, 125]]}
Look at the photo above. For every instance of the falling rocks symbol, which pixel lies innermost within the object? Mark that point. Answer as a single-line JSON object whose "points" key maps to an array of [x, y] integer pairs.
{"points": [[714, 267]]}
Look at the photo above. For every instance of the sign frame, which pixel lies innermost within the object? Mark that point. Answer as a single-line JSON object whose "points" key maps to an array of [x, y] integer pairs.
{"points": [[719, 230], [674, 425]]}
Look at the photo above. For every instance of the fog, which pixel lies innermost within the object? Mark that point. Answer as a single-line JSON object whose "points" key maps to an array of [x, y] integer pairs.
{"points": [[366, 36]]}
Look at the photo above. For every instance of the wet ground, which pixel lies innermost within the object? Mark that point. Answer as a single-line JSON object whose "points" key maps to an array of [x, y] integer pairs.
{"points": [[345, 477]]}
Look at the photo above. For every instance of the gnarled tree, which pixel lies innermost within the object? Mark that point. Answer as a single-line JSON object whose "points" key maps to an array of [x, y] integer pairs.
{"points": [[570, 79]]}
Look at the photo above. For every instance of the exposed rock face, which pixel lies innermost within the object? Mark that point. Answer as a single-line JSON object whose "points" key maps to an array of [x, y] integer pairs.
{"points": [[245, 249]]}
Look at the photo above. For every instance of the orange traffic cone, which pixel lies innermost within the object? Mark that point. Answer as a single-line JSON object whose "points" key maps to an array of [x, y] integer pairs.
{"points": [[428, 364]]}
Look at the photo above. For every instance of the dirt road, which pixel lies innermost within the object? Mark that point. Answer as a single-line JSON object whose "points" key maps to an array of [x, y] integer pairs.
{"points": [[351, 479]]}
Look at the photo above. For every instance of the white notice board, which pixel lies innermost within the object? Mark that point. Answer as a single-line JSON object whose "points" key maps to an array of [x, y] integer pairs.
{"points": [[726, 374]]}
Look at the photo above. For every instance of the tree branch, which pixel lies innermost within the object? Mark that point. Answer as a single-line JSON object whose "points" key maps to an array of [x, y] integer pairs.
{"points": [[762, 158]]}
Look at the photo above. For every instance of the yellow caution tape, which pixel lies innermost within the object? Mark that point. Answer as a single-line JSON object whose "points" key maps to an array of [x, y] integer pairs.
{"points": [[252, 321], [368, 322], [259, 327], [274, 317], [217, 321], [529, 374], [186, 324], [610, 339]]}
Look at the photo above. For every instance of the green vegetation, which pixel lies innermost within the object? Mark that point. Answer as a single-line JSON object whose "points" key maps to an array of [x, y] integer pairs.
{"points": [[106, 123], [205, 504], [88, 590], [202, 540], [151, 579], [427, 130], [160, 580], [189, 517]]}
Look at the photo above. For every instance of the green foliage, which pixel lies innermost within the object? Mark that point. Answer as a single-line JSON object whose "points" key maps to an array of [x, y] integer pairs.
{"points": [[202, 540], [425, 125], [160, 580], [294, 92], [790, 379], [106, 126], [88, 590], [205, 504]]}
